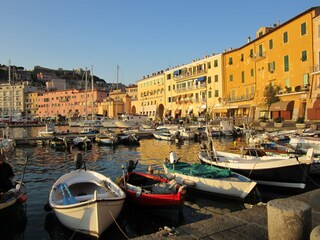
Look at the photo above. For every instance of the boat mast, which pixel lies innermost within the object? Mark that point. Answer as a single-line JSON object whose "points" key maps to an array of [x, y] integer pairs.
{"points": [[86, 97], [92, 118], [9, 71], [116, 112]]}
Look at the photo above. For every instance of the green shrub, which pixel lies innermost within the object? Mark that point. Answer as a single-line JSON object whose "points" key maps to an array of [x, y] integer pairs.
{"points": [[279, 120], [300, 120]]}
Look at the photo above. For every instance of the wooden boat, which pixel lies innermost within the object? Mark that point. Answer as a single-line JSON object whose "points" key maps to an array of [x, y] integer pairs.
{"points": [[153, 191], [274, 170], [127, 138], [164, 136], [86, 201], [208, 179]]}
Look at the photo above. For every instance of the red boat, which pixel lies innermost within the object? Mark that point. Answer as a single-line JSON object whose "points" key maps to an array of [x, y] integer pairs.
{"points": [[149, 190]]}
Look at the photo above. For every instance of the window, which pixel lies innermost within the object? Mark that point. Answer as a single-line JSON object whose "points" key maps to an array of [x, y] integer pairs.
{"points": [[242, 57], [251, 52], [285, 37], [231, 78], [319, 31], [260, 50], [286, 63], [215, 63], [287, 83], [305, 79], [233, 94], [252, 72], [209, 65], [168, 76], [230, 61], [304, 56], [209, 94], [242, 76], [216, 93], [209, 79], [303, 29], [260, 34], [271, 44], [169, 88], [216, 78], [271, 66]]}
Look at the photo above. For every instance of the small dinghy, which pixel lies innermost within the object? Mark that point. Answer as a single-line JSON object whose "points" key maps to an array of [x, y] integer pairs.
{"points": [[86, 201], [152, 191]]}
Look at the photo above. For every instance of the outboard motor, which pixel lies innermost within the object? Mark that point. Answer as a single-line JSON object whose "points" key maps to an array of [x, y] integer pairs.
{"points": [[78, 160]]}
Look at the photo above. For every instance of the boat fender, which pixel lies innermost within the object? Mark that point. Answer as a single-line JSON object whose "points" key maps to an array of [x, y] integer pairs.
{"points": [[22, 198], [189, 183], [182, 189], [173, 157]]}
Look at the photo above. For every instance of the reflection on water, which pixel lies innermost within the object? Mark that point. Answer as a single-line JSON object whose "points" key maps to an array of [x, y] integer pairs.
{"points": [[45, 165]]}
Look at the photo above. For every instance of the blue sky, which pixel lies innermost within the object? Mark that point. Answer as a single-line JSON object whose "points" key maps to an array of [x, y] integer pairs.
{"points": [[141, 36]]}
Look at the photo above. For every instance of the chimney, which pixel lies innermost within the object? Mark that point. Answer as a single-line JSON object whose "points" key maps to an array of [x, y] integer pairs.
{"points": [[249, 39]]}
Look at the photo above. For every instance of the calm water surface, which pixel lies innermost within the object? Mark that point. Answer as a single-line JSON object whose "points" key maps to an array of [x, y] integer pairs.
{"points": [[45, 165]]}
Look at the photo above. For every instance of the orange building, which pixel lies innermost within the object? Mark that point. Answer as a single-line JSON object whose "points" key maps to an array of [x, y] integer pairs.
{"points": [[69, 103]]}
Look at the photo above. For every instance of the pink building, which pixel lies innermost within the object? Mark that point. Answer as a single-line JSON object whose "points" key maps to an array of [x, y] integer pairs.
{"points": [[69, 103]]}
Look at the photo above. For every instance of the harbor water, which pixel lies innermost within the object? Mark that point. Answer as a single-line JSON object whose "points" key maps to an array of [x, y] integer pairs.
{"points": [[45, 165]]}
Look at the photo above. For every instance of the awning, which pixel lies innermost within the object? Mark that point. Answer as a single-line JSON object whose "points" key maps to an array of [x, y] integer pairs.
{"points": [[219, 110], [178, 111], [201, 79], [245, 106], [233, 107], [316, 104], [282, 106]]}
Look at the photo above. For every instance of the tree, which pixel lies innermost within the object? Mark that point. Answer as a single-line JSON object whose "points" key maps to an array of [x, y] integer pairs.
{"points": [[270, 94]]}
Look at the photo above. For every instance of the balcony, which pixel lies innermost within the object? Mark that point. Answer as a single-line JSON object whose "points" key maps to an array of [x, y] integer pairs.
{"points": [[240, 98], [315, 69], [258, 56], [187, 74], [188, 88]]}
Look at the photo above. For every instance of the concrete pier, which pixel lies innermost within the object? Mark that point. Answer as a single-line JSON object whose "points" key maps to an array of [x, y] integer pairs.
{"points": [[246, 224]]}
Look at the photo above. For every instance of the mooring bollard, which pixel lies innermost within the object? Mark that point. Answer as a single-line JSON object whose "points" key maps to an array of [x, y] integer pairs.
{"points": [[315, 234], [288, 219]]}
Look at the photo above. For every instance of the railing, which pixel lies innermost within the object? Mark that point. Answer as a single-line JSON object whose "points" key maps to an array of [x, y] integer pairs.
{"points": [[198, 86], [189, 74], [240, 98], [258, 56]]}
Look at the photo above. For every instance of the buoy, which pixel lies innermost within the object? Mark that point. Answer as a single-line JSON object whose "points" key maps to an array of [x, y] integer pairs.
{"points": [[235, 143]]}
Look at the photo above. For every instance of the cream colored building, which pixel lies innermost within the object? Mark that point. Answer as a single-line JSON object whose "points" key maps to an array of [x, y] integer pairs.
{"points": [[13, 99], [151, 95]]}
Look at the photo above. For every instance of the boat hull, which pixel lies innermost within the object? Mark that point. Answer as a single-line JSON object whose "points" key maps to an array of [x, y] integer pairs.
{"points": [[282, 172], [236, 186], [96, 204]]}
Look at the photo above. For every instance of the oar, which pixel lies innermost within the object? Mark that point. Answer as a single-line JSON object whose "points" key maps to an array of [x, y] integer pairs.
{"points": [[24, 170], [71, 198], [65, 199]]}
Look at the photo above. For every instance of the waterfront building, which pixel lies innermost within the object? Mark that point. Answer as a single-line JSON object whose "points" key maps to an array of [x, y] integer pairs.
{"points": [[195, 89], [13, 100], [132, 92], [118, 102], [313, 102], [69, 103], [151, 96], [281, 55], [31, 104]]}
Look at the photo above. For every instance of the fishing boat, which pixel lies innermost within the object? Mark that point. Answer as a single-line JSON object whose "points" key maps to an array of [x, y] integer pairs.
{"points": [[89, 130], [48, 131], [86, 201], [152, 191], [127, 138], [208, 179], [184, 133], [82, 143], [164, 136], [275, 170]]}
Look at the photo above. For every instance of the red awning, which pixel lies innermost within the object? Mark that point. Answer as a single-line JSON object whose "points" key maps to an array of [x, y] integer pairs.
{"points": [[282, 106], [316, 104]]}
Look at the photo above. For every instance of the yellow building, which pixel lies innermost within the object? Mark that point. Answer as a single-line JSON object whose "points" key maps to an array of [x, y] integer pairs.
{"points": [[151, 96], [313, 101], [281, 55], [195, 89]]}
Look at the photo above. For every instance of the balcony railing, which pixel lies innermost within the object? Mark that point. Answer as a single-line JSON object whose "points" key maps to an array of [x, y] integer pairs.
{"points": [[190, 74], [315, 69], [240, 98], [188, 88], [258, 56]]}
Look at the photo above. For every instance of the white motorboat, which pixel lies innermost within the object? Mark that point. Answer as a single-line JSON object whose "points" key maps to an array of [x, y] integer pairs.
{"points": [[86, 201], [164, 136], [106, 139], [275, 170], [184, 133], [48, 131], [208, 179]]}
